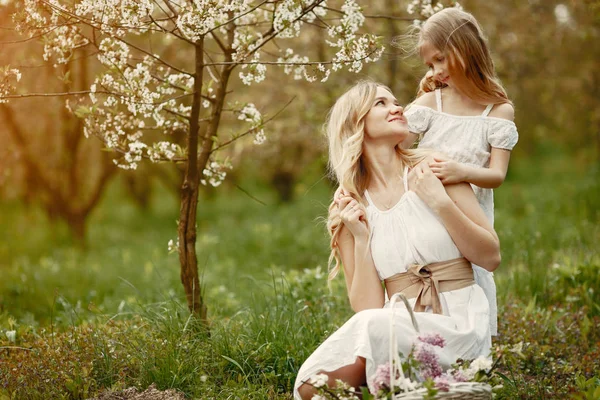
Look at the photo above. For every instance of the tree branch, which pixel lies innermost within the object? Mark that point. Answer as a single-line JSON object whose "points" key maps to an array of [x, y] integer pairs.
{"points": [[228, 142], [92, 25]]}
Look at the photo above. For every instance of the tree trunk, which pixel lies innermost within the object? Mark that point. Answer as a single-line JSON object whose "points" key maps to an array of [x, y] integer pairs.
{"points": [[189, 201], [78, 228], [187, 249]]}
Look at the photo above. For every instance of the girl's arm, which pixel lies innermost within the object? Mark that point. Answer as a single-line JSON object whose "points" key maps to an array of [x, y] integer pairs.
{"points": [[493, 176], [449, 171], [457, 207], [362, 281], [425, 100]]}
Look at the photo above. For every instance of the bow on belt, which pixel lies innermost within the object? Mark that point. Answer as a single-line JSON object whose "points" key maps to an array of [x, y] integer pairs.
{"points": [[426, 282]]}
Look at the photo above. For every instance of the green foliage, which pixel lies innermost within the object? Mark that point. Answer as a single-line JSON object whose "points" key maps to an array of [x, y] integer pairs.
{"points": [[112, 317]]}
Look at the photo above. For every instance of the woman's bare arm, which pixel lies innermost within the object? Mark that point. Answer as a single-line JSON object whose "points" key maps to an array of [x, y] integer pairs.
{"points": [[362, 281], [461, 214]]}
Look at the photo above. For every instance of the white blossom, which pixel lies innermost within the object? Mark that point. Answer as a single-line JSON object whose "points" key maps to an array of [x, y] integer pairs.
{"points": [[204, 16], [260, 137], [286, 19], [481, 363], [254, 72], [319, 380], [8, 78], [425, 9], [214, 174], [173, 247], [137, 96], [250, 114], [116, 15], [113, 53], [61, 43], [11, 336], [163, 150]]}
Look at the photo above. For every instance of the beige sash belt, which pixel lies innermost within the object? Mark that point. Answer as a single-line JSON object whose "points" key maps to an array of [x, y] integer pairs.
{"points": [[426, 282]]}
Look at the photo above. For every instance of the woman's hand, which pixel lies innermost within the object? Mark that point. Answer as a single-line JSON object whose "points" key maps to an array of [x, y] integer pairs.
{"points": [[353, 215], [429, 188], [447, 170]]}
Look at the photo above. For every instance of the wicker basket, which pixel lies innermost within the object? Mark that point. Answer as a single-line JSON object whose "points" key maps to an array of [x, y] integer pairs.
{"points": [[461, 390]]}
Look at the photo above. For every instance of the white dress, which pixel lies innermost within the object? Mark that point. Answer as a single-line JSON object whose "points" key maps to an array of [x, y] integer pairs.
{"points": [[468, 140], [410, 232]]}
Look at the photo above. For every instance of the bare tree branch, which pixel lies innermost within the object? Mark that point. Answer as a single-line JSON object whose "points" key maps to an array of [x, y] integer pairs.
{"points": [[236, 137]]}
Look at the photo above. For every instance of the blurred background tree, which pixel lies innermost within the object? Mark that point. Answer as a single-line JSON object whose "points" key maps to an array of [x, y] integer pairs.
{"points": [[47, 162]]}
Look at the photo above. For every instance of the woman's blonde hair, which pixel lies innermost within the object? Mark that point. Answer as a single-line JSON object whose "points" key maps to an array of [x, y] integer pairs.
{"points": [[457, 34], [345, 130]]}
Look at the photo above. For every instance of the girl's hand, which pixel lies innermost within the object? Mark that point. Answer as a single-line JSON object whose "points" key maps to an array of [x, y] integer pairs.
{"points": [[428, 187], [447, 170], [353, 215]]}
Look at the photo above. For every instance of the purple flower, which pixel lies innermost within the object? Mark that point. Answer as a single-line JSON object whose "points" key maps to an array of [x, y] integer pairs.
{"points": [[442, 382], [429, 361], [381, 378], [434, 339]]}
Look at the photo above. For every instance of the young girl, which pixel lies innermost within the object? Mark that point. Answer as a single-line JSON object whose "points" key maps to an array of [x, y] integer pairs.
{"points": [[463, 111]]}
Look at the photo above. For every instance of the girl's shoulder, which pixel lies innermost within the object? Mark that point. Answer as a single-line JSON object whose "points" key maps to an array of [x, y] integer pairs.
{"points": [[426, 100], [503, 111]]}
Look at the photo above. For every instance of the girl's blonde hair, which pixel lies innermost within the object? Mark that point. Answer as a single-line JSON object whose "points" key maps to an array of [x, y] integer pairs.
{"points": [[457, 34], [345, 130]]}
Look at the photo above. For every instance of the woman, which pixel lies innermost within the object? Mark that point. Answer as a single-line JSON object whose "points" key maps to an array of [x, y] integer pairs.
{"points": [[393, 217]]}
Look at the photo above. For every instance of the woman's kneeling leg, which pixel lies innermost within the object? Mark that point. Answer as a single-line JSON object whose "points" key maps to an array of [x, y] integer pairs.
{"points": [[353, 374]]}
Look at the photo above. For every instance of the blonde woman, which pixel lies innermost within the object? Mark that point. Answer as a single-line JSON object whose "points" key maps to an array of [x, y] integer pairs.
{"points": [[394, 221], [463, 111]]}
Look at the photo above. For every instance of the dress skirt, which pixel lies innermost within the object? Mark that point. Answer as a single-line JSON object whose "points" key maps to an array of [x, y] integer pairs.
{"points": [[464, 326]]}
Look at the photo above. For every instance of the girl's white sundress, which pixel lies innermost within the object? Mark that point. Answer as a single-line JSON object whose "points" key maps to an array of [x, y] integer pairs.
{"points": [[469, 140], [410, 232]]}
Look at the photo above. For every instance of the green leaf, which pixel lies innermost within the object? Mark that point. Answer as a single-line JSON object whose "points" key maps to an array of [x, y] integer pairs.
{"points": [[82, 111], [231, 360], [366, 395]]}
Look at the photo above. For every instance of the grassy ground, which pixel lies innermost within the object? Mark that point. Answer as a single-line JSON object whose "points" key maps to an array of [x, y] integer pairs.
{"points": [[112, 317]]}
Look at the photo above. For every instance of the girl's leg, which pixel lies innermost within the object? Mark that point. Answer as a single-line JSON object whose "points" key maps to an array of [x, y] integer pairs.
{"points": [[353, 374]]}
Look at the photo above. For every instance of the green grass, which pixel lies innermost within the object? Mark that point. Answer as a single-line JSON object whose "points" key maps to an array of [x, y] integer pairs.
{"points": [[112, 316]]}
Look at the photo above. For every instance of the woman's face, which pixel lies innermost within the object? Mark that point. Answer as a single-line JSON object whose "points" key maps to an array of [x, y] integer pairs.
{"points": [[437, 62], [386, 117]]}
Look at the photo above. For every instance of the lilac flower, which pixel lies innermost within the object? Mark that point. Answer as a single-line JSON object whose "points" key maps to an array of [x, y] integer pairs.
{"points": [[434, 339], [442, 382], [429, 361], [381, 379]]}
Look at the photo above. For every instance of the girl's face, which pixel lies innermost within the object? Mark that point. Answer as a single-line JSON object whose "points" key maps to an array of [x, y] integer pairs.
{"points": [[386, 117], [437, 62]]}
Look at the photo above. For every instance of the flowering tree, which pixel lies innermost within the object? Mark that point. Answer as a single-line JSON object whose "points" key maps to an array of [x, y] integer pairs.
{"points": [[167, 68]]}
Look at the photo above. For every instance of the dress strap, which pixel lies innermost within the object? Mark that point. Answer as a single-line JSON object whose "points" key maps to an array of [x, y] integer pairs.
{"points": [[438, 99], [487, 110], [369, 200], [405, 179]]}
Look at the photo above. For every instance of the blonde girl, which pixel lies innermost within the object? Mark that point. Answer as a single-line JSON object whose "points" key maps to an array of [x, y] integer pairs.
{"points": [[395, 220], [463, 111]]}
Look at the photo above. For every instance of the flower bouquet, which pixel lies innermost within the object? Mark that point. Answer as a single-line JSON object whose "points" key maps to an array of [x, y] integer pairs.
{"points": [[418, 376]]}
